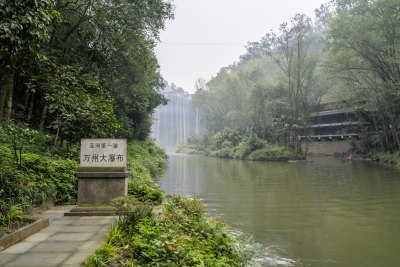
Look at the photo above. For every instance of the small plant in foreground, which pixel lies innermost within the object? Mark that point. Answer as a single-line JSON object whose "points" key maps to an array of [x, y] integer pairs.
{"points": [[131, 211], [10, 215]]}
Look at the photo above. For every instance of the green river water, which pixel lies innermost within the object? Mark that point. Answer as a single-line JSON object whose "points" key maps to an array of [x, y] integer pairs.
{"points": [[321, 213]]}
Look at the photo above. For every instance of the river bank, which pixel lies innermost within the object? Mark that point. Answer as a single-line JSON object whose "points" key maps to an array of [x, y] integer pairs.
{"points": [[238, 144], [31, 173], [243, 151], [389, 158], [152, 231], [275, 153]]}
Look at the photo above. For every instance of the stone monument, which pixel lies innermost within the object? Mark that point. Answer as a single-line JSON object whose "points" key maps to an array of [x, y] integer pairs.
{"points": [[102, 175]]}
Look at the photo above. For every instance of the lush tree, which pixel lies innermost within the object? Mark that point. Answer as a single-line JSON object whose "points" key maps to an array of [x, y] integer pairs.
{"points": [[24, 25], [290, 49], [94, 68], [116, 39], [271, 90], [77, 107], [364, 45]]}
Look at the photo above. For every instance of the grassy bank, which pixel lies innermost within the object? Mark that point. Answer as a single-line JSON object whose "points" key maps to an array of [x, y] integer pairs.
{"points": [[264, 153], [391, 158], [152, 231], [239, 144]]}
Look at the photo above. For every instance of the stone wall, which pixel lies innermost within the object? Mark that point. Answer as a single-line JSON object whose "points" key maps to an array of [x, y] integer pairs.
{"points": [[330, 147]]}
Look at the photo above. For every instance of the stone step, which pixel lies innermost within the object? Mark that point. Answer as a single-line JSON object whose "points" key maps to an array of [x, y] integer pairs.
{"points": [[95, 210], [92, 213]]}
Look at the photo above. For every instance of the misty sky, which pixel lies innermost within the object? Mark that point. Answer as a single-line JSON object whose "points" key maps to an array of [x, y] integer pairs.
{"points": [[207, 35]]}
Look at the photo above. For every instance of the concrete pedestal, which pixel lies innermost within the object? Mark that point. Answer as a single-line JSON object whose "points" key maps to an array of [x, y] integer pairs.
{"points": [[101, 185], [101, 190]]}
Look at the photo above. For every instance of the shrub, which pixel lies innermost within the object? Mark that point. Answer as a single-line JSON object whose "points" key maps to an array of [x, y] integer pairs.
{"points": [[392, 158], [234, 136], [10, 215], [31, 177], [19, 137], [13, 190], [131, 211], [150, 157], [243, 150], [189, 206], [225, 153], [183, 238], [55, 177], [239, 144], [274, 153], [254, 143], [145, 190], [101, 256], [145, 160], [246, 147], [40, 178]]}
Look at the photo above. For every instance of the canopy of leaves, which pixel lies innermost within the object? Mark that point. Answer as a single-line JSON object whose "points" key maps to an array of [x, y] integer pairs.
{"points": [[95, 73], [364, 44]]}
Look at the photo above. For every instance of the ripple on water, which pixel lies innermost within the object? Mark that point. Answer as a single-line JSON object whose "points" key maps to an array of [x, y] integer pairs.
{"points": [[268, 259], [325, 213]]}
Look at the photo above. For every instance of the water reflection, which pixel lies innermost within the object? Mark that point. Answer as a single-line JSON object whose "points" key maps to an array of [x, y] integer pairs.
{"points": [[324, 213]]}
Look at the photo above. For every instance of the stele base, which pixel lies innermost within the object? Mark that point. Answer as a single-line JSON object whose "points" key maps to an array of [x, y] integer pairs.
{"points": [[101, 190]]}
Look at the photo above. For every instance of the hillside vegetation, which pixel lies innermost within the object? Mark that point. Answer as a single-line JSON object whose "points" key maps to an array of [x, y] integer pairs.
{"points": [[347, 55]]}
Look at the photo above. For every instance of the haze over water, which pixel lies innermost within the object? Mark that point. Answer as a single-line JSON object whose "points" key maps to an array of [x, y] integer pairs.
{"points": [[324, 213]]}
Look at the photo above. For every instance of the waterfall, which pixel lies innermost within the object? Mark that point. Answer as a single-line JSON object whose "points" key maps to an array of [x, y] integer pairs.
{"points": [[175, 122]]}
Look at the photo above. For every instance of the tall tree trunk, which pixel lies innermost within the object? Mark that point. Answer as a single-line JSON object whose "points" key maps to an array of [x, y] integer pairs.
{"points": [[394, 133], [31, 106], [9, 87], [43, 118], [27, 97], [61, 141], [377, 130], [55, 141], [363, 132], [3, 94], [388, 146]]}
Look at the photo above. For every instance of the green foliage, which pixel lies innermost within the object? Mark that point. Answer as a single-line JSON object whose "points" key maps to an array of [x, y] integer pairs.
{"points": [[132, 210], [82, 108], [57, 175], [12, 188], [39, 179], [145, 190], [228, 138], [18, 137], [268, 93], [191, 207], [237, 144], [94, 56], [176, 233], [101, 256], [392, 158], [24, 24], [146, 156], [271, 153], [363, 46], [38, 176], [11, 215], [145, 161], [184, 237]]}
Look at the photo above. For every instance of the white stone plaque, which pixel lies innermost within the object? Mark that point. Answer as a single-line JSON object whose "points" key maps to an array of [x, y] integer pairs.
{"points": [[103, 153]]}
